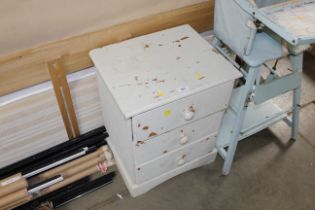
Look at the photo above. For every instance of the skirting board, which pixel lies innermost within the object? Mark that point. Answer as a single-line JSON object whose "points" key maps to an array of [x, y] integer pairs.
{"points": [[31, 122], [26, 68]]}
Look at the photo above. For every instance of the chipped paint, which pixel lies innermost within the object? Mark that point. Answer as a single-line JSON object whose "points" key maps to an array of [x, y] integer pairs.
{"points": [[139, 143], [185, 37], [182, 89], [158, 81], [192, 109], [145, 128], [152, 134]]}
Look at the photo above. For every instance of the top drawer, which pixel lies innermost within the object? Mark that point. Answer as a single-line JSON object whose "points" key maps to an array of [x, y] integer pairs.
{"points": [[180, 112]]}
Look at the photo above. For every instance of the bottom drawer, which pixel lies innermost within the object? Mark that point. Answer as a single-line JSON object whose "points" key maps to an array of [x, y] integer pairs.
{"points": [[173, 160]]}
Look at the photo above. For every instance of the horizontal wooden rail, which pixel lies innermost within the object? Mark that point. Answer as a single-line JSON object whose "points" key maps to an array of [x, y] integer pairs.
{"points": [[28, 67]]}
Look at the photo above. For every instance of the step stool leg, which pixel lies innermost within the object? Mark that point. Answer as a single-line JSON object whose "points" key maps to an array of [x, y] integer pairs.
{"points": [[297, 65], [247, 89]]}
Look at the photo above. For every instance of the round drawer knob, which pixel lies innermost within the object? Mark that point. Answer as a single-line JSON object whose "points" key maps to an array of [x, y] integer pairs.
{"points": [[189, 113], [183, 140], [181, 162]]}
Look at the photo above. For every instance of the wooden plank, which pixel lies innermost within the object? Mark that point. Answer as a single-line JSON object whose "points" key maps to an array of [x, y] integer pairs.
{"points": [[57, 86], [63, 95], [67, 98], [28, 67]]}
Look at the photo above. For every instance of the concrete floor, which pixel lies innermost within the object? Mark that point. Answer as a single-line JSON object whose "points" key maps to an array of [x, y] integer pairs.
{"points": [[269, 172]]}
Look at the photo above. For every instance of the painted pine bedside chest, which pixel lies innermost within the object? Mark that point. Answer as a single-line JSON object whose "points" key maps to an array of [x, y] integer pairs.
{"points": [[163, 96]]}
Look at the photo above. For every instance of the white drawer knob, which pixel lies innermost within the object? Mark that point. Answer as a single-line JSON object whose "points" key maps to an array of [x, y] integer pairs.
{"points": [[189, 113], [183, 140], [181, 162]]}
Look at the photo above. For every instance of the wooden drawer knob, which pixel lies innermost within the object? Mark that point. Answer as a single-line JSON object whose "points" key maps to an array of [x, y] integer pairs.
{"points": [[183, 140], [189, 113], [181, 161]]}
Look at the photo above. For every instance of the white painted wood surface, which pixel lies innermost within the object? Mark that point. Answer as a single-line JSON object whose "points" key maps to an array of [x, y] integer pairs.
{"points": [[160, 68], [119, 129], [154, 87]]}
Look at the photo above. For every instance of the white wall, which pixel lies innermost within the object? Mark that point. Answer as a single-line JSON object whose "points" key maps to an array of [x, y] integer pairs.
{"points": [[28, 23]]}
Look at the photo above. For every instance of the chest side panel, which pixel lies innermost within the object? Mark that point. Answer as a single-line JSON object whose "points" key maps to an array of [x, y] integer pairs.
{"points": [[119, 129]]}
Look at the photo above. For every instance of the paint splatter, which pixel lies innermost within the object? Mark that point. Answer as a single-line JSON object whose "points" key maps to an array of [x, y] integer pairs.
{"points": [[152, 134], [183, 38], [159, 93], [167, 113], [198, 76]]}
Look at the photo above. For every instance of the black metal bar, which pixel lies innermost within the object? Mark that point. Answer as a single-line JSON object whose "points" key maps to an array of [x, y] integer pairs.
{"points": [[70, 192], [94, 138]]}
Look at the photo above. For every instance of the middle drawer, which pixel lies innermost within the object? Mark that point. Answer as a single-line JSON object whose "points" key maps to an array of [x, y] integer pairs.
{"points": [[150, 149]]}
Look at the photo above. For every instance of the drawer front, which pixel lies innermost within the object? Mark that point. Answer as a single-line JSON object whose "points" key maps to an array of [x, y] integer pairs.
{"points": [[160, 120], [174, 160], [177, 138]]}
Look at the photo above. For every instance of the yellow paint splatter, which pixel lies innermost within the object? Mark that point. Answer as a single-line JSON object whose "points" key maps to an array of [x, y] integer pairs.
{"points": [[300, 17], [167, 113], [197, 75], [159, 93]]}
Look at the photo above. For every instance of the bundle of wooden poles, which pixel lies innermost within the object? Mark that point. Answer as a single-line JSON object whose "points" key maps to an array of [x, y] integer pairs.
{"points": [[20, 189]]}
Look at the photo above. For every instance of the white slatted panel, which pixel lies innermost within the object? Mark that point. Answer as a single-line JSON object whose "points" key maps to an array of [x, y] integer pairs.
{"points": [[32, 123], [87, 103], [28, 126]]}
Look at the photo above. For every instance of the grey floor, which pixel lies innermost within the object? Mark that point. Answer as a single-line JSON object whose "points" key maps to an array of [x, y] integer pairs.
{"points": [[269, 172]]}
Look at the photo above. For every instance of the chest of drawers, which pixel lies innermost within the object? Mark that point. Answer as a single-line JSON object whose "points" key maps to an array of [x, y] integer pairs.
{"points": [[163, 96]]}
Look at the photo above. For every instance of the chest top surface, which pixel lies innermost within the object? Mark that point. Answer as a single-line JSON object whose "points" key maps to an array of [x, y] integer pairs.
{"points": [[152, 70]]}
